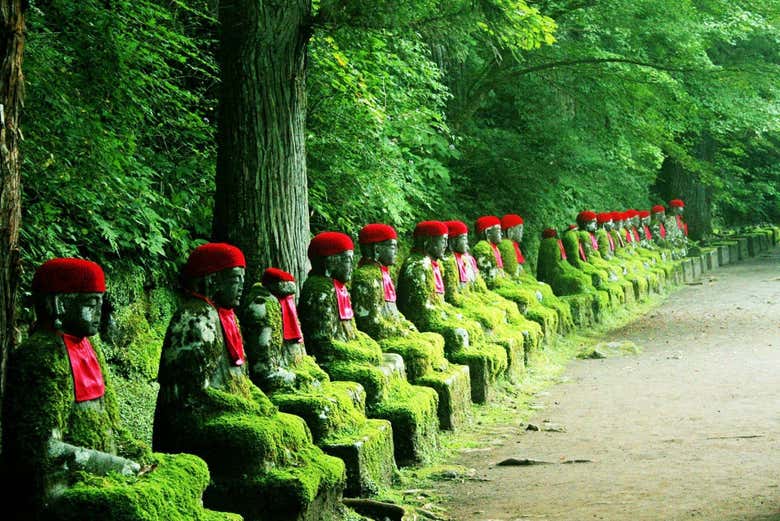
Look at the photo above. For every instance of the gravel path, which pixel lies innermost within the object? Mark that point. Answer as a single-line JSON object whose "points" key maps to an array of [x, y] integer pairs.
{"points": [[688, 429]]}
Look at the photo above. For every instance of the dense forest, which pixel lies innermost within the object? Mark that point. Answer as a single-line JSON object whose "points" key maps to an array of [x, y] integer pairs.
{"points": [[413, 110]]}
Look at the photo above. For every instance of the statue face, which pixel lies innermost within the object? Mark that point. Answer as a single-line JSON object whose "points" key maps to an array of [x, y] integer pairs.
{"points": [[386, 252], [678, 210], [493, 234], [619, 225], [515, 233], [659, 216], [591, 225], [79, 313], [340, 266], [282, 288], [635, 221], [228, 285], [608, 225], [645, 220], [460, 243], [436, 246]]}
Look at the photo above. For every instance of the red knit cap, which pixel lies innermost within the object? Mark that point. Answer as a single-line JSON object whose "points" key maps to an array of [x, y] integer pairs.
{"points": [[376, 232], [586, 216], [604, 217], [430, 229], [618, 216], [659, 208], [487, 221], [510, 220], [326, 244], [66, 275], [455, 228], [549, 233], [276, 275], [643, 214], [677, 203], [630, 214], [213, 257]]}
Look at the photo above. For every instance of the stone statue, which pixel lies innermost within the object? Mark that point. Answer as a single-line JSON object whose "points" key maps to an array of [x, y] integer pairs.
{"points": [[421, 299], [376, 313], [466, 290], [512, 228], [588, 303], [260, 459], [529, 300], [61, 426], [335, 412], [327, 317], [676, 229]]}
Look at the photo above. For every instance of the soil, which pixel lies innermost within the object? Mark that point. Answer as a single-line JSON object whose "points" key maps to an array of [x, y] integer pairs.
{"points": [[687, 429]]}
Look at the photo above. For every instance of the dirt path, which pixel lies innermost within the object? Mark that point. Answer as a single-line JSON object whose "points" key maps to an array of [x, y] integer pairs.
{"points": [[688, 429]]}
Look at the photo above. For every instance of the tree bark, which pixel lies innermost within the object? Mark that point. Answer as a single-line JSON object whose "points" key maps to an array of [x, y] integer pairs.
{"points": [[261, 200], [11, 93], [681, 184]]}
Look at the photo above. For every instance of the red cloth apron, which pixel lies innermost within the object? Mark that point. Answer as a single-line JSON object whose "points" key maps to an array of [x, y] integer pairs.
{"points": [[497, 255], [562, 249], [291, 326], [387, 285], [438, 282], [518, 253], [233, 341], [343, 301], [87, 376]]}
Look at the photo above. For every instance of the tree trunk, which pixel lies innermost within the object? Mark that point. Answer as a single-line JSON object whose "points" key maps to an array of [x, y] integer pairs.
{"points": [[11, 92], [261, 201]]}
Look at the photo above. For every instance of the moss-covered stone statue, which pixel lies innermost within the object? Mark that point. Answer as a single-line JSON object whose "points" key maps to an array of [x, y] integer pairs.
{"points": [[632, 269], [327, 317], [376, 313], [676, 228], [512, 228], [587, 301], [465, 289], [644, 256], [66, 455], [421, 299], [334, 411], [528, 298], [263, 462]]}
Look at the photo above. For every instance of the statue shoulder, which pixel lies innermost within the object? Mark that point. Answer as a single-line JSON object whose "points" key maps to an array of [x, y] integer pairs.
{"points": [[367, 276], [481, 249]]}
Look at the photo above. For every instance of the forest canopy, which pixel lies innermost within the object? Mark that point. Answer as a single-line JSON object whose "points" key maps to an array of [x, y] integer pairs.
{"points": [[416, 110]]}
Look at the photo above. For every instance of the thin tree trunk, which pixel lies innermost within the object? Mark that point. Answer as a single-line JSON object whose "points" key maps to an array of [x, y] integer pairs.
{"points": [[11, 93], [261, 201], [682, 184]]}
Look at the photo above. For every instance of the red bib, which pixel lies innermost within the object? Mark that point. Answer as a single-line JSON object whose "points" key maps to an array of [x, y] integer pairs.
{"points": [[387, 285], [343, 300], [582, 251], [87, 377], [663, 231], [563, 250], [463, 272], [438, 282], [233, 340], [594, 242], [518, 254], [629, 237], [635, 234], [291, 326], [497, 255], [611, 242], [648, 235]]}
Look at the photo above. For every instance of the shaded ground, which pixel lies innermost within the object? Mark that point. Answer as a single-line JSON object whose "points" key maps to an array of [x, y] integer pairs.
{"points": [[688, 429]]}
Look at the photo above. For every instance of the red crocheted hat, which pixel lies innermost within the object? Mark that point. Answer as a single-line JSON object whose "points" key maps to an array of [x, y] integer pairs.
{"points": [[586, 216], [643, 214], [66, 275], [604, 217], [376, 232], [430, 229], [455, 228], [329, 243], [618, 216], [630, 214], [276, 275], [487, 221], [659, 208], [213, 257], [510, 220], [549, 233], [677, 203]]}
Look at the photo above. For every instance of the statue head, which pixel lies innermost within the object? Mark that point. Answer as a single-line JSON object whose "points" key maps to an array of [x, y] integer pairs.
{"points": [[618, 220], [279, 282], [489, 228], [658, 213], [379, 243], [644, 217], [430, 238], [216, 271], [458, 234], [68, 295], [549, 233], [512, 227], [632, 218], [332, 255], [586, 220], [677, 206], [604, 220]]}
